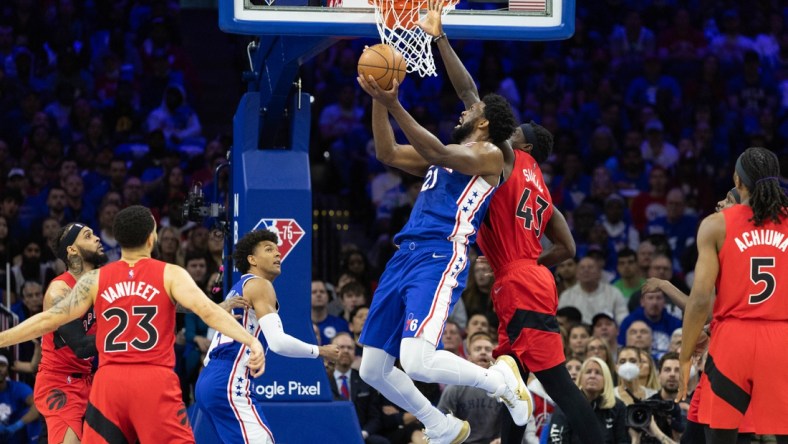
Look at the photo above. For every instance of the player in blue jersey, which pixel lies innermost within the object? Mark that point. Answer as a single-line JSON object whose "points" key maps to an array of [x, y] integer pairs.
{"points": [[426, 276], [223, 388]]}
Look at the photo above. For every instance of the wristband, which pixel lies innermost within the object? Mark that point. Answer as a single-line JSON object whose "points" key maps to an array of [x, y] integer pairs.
{"points": [[442, 36], [13, 428]]}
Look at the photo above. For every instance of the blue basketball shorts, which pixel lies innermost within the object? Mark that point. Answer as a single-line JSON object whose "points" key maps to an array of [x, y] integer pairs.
{"points": [[416, 294], [223, 393]]}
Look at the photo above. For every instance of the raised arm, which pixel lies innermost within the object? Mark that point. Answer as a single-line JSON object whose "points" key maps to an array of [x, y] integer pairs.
{"points": [[262, 296], [479, 158], [388, 151], [75, 304], [676, 296], [710, 233], [460, 78], [182, 288], [563, 244]]}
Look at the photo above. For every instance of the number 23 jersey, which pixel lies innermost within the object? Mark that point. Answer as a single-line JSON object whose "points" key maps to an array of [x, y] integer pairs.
{"points": [[519, 211], [135, 315]]}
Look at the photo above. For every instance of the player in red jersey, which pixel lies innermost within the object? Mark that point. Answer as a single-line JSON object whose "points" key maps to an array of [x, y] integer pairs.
{"points": [[524, 294], [135, 393], [750, 318], [65, 372]]}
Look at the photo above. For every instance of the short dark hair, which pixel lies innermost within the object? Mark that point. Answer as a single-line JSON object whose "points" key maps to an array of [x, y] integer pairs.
{"points": [[543, 145], [247, 244], [355, 311], [627, 252], [352, 287], [572, 314], [499, 113], [195, 255], [666, 357], [132, 226]]}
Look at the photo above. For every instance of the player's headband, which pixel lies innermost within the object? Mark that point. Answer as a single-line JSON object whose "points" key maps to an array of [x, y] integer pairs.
{"points": [[736, 196], [67, 240], [745, 178], [529, 133]]}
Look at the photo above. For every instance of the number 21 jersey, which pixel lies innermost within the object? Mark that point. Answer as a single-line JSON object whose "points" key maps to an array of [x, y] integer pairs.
{"points": [[135, 315]]}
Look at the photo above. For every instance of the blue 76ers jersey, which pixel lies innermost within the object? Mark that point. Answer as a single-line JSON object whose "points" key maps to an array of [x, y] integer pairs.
{"points": [[450, 206], [226, 348]]}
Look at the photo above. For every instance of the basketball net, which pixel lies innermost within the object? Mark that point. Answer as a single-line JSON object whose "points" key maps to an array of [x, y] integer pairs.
{"points": [[396, 21]]}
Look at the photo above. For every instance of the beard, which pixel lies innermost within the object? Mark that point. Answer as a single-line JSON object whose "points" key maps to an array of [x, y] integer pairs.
{"points": [[93, 257], [462, 132], [156, 253]]}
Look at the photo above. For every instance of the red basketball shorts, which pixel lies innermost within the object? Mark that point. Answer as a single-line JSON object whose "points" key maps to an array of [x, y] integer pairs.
{"points": [[131, 402], [525, 298], [746, 371], [699, 407], [62, 399]]}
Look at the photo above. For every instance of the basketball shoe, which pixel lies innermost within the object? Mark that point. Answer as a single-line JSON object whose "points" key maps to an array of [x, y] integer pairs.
{"points": [[456, 432], [514, 394]]}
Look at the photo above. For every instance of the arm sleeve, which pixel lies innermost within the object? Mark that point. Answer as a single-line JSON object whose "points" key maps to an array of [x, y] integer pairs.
{"points": [[73, 334], [282, 343]]}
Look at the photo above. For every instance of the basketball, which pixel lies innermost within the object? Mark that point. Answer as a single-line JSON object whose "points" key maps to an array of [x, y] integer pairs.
{"points": [[383, 63]]}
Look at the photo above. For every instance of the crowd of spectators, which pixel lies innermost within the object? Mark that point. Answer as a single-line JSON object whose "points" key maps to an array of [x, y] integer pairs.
{"points": [[649, 103]]}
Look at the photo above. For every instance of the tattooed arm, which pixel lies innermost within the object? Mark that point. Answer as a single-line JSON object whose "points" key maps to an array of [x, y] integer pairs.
{"points": [[74, 305], [72, 333]]}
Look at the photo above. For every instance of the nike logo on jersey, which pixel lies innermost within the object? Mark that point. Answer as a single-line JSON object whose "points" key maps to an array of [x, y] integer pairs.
{"points": [[497, 290], [437, 256]]}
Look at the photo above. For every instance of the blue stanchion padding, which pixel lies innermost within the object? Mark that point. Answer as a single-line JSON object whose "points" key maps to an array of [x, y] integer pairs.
{"points": [[295, 423]]}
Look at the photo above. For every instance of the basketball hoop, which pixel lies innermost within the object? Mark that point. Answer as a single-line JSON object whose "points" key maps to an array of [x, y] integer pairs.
{"points": [[396, 22]]}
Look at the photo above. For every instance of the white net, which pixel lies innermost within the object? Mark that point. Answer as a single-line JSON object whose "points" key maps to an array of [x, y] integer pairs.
{"points": [[396, 21]]}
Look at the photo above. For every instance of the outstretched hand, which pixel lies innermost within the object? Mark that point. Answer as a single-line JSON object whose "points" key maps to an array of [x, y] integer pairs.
{"points": [[432, 23], [651, 285], [235, 302], [389, 98]]}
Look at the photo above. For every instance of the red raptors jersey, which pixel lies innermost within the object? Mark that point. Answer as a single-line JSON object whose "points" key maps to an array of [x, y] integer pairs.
{"points": [[518, 213], [136, 317], [56, 356], [753, 278]]}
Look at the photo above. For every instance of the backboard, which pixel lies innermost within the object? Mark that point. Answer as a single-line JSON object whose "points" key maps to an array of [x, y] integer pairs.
{"points": [[511, 20]]}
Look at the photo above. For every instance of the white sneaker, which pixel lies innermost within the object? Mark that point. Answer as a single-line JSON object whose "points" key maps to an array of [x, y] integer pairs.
{"points": [[456, 433], [514, 394]]}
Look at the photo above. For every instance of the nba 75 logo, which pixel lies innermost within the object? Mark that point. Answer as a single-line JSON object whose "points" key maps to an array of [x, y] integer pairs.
{"points": [[288, 230]]}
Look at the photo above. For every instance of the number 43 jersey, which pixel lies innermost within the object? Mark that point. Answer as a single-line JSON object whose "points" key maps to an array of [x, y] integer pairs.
{"points": [[518, 213], [135, 315]]}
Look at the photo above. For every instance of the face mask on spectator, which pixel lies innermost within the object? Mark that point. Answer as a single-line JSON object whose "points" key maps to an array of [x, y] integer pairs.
{"points": [[693, 371], [628, 371]]}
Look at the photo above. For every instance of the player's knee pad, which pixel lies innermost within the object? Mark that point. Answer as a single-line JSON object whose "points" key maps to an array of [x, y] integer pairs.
{"points": [[374, 365], [416, 357]]}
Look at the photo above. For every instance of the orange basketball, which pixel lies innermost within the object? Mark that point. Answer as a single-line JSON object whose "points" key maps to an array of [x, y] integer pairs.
{"points": [[383, 63]]}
